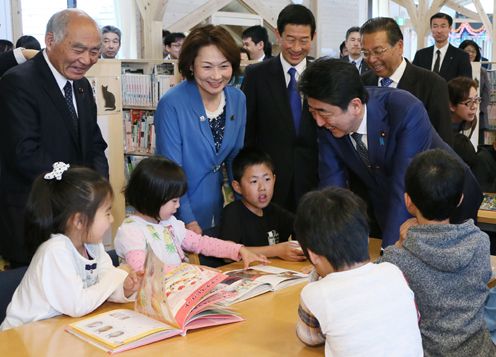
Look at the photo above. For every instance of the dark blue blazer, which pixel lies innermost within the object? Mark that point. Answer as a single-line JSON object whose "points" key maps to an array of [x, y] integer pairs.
{"points": [[398, 128]]}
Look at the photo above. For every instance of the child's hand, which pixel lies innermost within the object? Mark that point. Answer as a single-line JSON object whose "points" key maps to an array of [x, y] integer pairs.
{"points": [[195, 227], [404, 230], [248, 257], [132, 282], [290, 251], [307, 269]]}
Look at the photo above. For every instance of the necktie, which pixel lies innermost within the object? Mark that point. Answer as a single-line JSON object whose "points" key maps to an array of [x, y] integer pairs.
{"points": [[386, 82], [353, 63], [70, 105], [437, 64], [361, 149], [294, 99]]}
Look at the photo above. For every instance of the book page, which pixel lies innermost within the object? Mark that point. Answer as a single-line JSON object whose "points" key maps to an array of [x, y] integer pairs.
{"points": [[170, 294], [244, 284], [119, 327]]}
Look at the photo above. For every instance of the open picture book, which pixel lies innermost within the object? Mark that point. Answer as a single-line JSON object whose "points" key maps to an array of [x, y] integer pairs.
{"points": [[171, 301], [245, 284]]}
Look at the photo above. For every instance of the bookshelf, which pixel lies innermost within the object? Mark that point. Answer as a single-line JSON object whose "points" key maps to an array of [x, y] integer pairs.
{"points": [[105, 76]]}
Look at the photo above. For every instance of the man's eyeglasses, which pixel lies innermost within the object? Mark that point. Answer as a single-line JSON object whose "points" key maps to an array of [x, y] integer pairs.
{"points": [[376, 52], [470, 102]]}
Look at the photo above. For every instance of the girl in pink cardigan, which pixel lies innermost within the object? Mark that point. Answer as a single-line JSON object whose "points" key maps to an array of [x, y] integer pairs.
{"points": [[154, 189]]}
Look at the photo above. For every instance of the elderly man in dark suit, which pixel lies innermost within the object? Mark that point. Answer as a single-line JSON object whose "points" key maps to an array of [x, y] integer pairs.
{"points": [[278, 120], [382, 43], [48, 115], [373, 132], [446, 60]]}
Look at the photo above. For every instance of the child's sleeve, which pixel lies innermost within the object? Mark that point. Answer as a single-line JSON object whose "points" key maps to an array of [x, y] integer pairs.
{"points": [[65, 290], [130, 245], [490, 313], [308, 327], [208, 246]]}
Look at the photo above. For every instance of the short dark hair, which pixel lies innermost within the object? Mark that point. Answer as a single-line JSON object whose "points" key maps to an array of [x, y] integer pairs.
{"points": [[332, 81], [434, 181], [387, 24], [173, 37], [52, 203], [28, 42], [258, 33], [341, 48], [459, 89], [249, 156], [295, 15], [441, 15], [5, 46], [112, 29], [204, 36], [155, 181], [474, 44], [333, 223], [351, 30]]}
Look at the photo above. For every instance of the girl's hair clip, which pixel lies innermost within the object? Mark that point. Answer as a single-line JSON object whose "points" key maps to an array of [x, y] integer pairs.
{"points": [[58, 169]]}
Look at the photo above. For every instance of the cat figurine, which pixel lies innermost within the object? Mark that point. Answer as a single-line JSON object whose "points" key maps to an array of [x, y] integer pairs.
{"points": [[109, 98]]}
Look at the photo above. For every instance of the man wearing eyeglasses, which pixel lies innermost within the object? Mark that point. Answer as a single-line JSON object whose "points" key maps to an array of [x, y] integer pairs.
{"points": [[382, 48], [278, 121], [374, 133], [442, 58], [173, 43]]}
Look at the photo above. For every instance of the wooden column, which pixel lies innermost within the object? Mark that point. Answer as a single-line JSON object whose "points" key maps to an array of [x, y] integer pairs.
{"points": [[152, 13]]}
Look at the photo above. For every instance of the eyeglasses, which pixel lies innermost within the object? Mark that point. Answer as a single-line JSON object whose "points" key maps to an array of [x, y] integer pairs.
{"points": [[472, 101], [376, 52]]}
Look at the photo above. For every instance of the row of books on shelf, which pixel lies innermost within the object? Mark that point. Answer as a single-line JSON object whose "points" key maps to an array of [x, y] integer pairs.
{"points": [[145, 90], [173, 300], [139, 132]]}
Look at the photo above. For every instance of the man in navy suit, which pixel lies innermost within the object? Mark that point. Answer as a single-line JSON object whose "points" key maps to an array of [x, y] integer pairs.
{"points": [[374, 133], [48, 115], [277, 120], [446, 60], [382, 45]]}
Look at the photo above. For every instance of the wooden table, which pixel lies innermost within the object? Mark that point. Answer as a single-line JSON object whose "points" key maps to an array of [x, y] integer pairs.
{"points": [[486, 220], [268, 330]]}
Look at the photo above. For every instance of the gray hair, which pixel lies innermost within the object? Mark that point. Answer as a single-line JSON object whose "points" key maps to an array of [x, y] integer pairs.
{"points": [[59, 21]]}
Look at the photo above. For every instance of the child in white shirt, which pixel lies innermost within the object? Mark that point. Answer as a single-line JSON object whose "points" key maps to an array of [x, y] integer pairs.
{"points": [[68, 212], [154, 190], [357, 308]]}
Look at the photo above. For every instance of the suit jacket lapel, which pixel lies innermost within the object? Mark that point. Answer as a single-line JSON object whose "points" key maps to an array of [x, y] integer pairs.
{"points": [[377, 133], [82, 103], [200, 114], [279, 90], [51, 87], [448, 59], [407, 81]]}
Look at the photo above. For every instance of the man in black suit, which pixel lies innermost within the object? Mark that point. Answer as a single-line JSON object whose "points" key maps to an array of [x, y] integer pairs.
{"points": [[448, 61], [278, 121], [382, 43], [48, 115], [256, 42], [354, 48]]}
